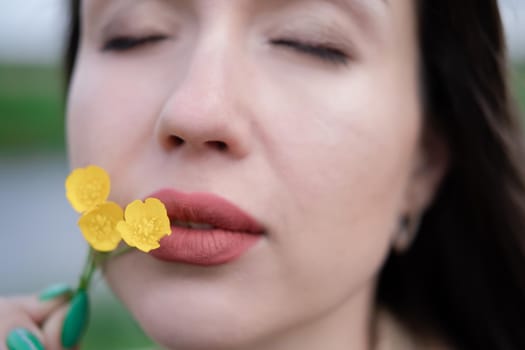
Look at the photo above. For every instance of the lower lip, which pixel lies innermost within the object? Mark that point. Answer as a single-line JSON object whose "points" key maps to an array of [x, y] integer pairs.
{"points": [[204, 247]]}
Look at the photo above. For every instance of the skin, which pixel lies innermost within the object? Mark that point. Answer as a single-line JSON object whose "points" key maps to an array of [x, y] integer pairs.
{"points": [[326, 154], [42, 318]]}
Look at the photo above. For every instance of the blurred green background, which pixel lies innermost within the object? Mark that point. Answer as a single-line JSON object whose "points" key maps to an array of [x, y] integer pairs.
{"points": [[519, 84]]}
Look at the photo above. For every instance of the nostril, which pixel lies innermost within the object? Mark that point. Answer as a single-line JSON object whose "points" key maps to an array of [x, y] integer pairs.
{"points": [[219, 145], [176, 140]]}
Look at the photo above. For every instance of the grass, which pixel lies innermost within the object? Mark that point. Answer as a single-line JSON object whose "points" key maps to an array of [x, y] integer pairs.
{"points": [[519, 84], [31, 108]]}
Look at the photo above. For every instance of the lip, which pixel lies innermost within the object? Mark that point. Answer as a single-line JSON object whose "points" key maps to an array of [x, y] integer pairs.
{"points": [[233, 233]]}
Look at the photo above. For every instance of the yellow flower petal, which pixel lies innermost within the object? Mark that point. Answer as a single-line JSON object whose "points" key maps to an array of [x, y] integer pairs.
{"points": [[87, 187], [99, 226], [145, 224]]}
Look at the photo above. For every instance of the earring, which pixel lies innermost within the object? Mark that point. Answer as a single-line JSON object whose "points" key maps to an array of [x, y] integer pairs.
{"points": [[408, 227]]}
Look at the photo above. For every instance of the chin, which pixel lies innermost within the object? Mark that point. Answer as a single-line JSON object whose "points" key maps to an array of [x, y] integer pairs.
{"points": [[180, 312], [185, 323], [192, 335]]}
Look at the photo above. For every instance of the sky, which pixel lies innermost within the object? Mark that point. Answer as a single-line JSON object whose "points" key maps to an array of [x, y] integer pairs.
{"points": [[33, 30]]}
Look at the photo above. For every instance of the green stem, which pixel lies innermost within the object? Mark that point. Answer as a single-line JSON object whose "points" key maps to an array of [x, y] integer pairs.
{"points": [[94, 260], [89, 269]]}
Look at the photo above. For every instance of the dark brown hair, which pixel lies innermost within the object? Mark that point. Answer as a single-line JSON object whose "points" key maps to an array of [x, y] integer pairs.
{"points": [[464, 276]]}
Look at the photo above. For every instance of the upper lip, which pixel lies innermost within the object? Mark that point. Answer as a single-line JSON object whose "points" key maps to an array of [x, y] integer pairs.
{"points": [[206, 208]]}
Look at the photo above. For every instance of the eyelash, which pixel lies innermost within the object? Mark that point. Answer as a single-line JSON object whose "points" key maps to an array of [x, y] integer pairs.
{"points": [[124, 43], [323, 52]]}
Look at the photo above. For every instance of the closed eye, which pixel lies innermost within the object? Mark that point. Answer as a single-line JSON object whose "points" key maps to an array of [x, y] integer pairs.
{"points": [[324, 52], [124, 43]]}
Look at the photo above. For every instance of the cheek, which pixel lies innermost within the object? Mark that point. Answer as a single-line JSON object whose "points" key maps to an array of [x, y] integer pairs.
{"points": [[111, 115], [351, 142], [343, 156]]}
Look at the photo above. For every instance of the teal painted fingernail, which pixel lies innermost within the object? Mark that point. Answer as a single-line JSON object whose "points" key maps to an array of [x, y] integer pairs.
{"points": [[76, 320], [55, 291], [22, 339]]}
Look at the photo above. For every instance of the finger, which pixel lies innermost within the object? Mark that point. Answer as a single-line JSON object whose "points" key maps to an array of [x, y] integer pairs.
{"points": [[52, 328], [65, 327], [16, 327], [36, 309], [39, 307], [23, 339]]}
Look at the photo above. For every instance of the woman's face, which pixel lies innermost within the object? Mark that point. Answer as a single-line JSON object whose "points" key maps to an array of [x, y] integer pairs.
{"points": [[303, 113]]}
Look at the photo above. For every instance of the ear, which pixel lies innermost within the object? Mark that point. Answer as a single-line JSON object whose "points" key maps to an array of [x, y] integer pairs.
{"points": [[429, 167]]}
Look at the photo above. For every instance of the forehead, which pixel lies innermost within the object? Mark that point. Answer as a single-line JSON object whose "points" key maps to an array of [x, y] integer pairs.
{"points": [[94, 7]]}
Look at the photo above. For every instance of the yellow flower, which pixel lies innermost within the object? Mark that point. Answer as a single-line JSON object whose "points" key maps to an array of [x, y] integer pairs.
{"points": [[146, 223], [102, 222], [99, 226], [87, 187]]}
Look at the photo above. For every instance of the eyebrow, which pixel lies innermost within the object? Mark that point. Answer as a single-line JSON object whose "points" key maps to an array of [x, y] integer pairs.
{"points": [[363, 11], [97, 8], [348, 4], [101, 10]]}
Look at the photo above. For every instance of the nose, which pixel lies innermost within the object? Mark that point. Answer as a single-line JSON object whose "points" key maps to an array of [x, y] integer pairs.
{"points": [[205, 111]]}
